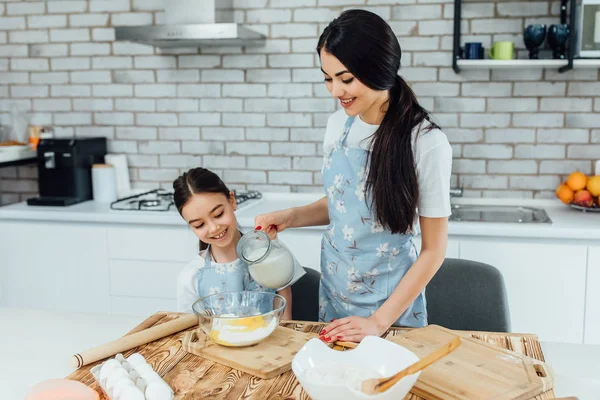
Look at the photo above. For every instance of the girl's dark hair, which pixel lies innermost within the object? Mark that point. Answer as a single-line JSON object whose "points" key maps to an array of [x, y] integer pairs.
{"points": [[369, 49], [195, 181]]}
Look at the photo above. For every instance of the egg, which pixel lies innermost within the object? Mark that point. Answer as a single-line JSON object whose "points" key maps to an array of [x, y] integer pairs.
{"points": [[120, 386], [136, 359], [108, 367], [132, 393], [151, 377], [158, 390], [143, 368], [114, 377], [119, 357]]}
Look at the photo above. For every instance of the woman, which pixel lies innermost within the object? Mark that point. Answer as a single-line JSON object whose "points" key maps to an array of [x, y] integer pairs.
{"points": [[384, 159]]}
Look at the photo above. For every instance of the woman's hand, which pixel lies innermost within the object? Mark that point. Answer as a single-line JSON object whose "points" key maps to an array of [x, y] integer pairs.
{"points": [[274, 222], [351, 329]]}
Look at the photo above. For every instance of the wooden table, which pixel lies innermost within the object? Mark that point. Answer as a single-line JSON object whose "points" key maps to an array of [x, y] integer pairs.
{"points": [[194, 378]]}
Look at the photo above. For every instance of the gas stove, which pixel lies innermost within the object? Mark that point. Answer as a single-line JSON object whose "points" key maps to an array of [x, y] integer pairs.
{"points": [[162, 200]]}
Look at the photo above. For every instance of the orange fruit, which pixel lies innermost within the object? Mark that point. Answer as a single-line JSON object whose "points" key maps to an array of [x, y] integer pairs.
{"points": [[564, 193], [593, 185], [577, 180], [583, 198]]}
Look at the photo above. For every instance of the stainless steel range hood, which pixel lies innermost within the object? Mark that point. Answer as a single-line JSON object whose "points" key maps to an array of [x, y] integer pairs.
{"points": [[193, 23]]}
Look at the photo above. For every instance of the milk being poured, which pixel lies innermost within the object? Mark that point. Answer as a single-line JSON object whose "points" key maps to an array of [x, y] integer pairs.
{"points": [[275, 271]]}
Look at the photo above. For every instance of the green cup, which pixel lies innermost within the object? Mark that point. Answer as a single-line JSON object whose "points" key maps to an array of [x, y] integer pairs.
{"points": [[502, 51]]}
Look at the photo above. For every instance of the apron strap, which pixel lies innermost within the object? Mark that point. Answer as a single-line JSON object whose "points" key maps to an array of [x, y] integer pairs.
{"points": [[349, 123]]}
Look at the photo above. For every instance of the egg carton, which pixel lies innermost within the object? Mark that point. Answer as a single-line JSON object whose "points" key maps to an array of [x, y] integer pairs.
{"points": [[131, 378]]}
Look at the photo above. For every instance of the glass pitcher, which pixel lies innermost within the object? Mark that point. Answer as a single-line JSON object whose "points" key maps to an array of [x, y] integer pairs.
{"points": [[270, 262]]}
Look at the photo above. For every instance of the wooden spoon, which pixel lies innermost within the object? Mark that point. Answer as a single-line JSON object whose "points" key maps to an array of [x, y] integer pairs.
{"points": [[378, 385]]}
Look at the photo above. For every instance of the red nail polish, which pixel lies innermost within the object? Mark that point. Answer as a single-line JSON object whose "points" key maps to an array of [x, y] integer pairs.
{"points": [[328, 339], [338, 338], [272, 227], [322, 332], [333, 320], [258, 228]]}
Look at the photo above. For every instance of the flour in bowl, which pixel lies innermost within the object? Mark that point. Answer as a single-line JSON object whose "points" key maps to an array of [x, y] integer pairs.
{"points": [[338, 374], [242, 331]]}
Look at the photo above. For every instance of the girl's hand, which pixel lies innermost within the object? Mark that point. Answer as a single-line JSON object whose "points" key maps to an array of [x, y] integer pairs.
{"points": [[351, 329], [274, 222]]}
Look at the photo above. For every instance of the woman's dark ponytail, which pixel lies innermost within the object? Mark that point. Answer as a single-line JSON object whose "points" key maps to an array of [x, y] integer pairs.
{"points": [[392, 177], [367, 46]]}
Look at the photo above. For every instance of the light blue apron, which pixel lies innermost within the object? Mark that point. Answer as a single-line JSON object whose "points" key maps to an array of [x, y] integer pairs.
{"points": [[228, 277], [361, 262]]}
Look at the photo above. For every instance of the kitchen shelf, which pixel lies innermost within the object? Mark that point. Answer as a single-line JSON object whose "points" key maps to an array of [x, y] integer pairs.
{"points": [[518, 64], [563, 65], [17, 157]]}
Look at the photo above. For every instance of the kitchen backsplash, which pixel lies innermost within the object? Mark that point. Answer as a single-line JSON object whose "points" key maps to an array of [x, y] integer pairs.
{"points": [[257, 115]]}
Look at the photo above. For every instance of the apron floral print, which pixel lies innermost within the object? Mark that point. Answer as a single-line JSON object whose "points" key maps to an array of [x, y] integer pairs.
{"points": [[227, 277], [361, 262]]}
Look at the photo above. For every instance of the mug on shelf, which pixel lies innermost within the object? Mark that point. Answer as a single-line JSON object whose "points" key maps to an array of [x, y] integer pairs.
{"points": [[473, 51], [502, 51]]}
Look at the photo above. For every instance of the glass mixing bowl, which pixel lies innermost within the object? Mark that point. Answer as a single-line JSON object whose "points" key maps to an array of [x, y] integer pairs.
{"points": [[237, 319]]}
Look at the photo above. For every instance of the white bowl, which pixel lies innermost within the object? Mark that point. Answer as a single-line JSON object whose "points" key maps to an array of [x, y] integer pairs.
{"points": [[325, 373]]}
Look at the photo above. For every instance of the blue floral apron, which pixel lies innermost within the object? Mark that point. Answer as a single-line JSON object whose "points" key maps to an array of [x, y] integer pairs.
{"points": [[361, 262], [227, 277]]}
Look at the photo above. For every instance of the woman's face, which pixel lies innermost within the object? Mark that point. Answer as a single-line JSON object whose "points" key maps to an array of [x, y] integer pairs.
{"points": [[354, 96], [211, 217]]}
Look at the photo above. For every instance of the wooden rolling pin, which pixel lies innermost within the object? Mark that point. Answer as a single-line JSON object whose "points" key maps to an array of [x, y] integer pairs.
{"points": [[136, 339]]}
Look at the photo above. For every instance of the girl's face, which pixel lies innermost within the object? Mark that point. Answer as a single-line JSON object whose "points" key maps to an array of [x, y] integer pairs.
{"points": [[211, 217], [354, 96]]}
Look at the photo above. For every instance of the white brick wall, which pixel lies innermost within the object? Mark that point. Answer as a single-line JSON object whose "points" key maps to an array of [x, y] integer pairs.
{"points": [[257, 115]]}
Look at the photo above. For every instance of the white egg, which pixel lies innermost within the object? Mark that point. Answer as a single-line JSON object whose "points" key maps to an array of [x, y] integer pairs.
{"points": [[143, 368], [136, 359], [108, 367], [114, 377], [120, 386], [132, 393], [151, 376], [158, 391], [119, 357]]}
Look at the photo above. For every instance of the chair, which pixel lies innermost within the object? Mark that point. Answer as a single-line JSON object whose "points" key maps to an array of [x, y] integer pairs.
{"points": [[468, 295], [305, 296]]}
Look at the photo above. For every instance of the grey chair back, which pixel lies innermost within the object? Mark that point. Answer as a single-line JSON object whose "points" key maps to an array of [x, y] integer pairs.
{"points": [[468, 295], [305, 296]]}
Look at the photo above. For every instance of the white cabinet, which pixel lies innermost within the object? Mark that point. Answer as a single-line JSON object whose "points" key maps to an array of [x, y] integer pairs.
{"points": [[545, 283], [592, 309], [143, 266], [153, 242], [54, 266]]}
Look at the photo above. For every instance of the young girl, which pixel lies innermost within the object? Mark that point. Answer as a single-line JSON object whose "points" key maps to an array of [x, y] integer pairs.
{"points": [[208, 206]]}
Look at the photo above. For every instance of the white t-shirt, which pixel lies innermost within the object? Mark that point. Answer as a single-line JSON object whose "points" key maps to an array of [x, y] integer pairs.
{"points": [[432, 154], [187, 280]]}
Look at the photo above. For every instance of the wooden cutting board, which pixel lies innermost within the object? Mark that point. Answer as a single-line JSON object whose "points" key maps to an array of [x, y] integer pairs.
{"points": [[476, 370], [267, 359]]}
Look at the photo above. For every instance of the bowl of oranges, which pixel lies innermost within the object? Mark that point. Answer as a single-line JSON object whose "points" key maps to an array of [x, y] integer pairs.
{"points": [[580, 191]]}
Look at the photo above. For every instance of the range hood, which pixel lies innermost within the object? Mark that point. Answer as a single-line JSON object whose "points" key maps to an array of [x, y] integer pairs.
{"points": [[193, 23]]}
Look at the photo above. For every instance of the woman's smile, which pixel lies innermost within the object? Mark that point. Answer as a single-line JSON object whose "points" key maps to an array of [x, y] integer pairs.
{"points": [[347, 103]]}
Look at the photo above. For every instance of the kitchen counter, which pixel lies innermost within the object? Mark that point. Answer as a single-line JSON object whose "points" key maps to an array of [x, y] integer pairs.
{"points": [[24, 362], [567, 223], [9, 156]]}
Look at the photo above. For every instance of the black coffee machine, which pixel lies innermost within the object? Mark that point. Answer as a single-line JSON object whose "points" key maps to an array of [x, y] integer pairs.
{"points": [[65, 170]]}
